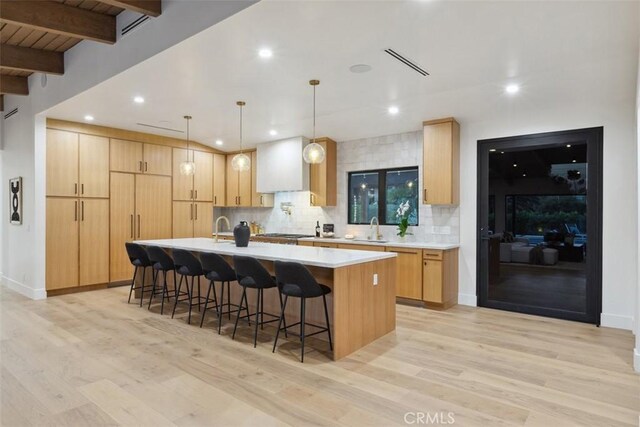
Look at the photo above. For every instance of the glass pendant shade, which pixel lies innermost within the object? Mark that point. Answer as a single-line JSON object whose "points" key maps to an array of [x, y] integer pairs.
{"points": [[241, 162], [187, 168], [313, 153]]}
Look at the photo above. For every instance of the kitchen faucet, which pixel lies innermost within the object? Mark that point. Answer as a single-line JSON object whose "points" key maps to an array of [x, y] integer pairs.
{"points": [[217, 221], [378, 235]]}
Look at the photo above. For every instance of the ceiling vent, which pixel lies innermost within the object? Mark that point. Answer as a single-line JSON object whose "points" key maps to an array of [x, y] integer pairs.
{"points": [[415, 67], [11, 113], [133, 25], [159, 127]]}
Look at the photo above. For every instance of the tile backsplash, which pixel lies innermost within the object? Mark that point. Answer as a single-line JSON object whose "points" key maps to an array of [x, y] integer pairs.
{"points": [[437, 223]]}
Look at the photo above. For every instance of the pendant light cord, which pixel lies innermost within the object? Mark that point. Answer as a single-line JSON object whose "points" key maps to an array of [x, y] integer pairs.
{"points": [[314, 114], [241, 129]]}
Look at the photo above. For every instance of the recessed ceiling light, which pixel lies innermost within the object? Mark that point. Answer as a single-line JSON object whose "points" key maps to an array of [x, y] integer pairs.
{"points": [[273, 132], [265, 53], [393, 110], [360, 68], [493, 150], [89, 118], [502, 152], [515, 165], [573, 161], [524, 174], [219, 142], [568, 145], [578, 172], [512, 88], [138, 100]]}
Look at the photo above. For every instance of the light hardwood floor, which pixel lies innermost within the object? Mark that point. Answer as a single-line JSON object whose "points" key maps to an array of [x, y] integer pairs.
{"points": [[92, 359]]}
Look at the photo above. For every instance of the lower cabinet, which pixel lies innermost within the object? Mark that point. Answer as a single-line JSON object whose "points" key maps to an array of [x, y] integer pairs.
{"points": [[440, 278], [77, 242], [408, 272], [192, 219]]}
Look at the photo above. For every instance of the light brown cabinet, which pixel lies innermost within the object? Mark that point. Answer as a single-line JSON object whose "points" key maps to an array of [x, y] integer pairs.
{"points": [[77, 242], [192, 219], [361, 247], [441, 162], [440, 278], [323, 176], [260, 200], [408, 272], [77, 165], [138, 157], [219, 179], [140, 209], [238, 186], [198, 186]]}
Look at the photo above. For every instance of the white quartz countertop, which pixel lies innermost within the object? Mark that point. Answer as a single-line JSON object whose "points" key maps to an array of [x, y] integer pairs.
{"points": [[416, 245], [307, 255]]}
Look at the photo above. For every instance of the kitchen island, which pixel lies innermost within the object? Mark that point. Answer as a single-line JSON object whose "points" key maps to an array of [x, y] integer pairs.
{"points": [[361, 304]]}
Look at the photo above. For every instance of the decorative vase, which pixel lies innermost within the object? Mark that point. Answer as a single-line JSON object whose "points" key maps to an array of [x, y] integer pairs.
{"points": [[241, 234]]}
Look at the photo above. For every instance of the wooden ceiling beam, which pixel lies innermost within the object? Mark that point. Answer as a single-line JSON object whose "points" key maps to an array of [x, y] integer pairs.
{"points": [[146, 7], [14, 85], [26, 59], [59, 18]]}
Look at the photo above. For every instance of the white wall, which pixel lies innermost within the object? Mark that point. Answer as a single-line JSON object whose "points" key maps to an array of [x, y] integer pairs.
{"points": [[636, 353], [22, 259], [436, 223]]}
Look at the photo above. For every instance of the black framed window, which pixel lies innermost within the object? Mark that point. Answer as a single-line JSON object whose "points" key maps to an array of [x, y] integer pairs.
{"points": [[380, 192]]}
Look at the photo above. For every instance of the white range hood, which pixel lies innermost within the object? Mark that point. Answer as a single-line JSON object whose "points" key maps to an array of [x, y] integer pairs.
{"points": [[280, 166]]}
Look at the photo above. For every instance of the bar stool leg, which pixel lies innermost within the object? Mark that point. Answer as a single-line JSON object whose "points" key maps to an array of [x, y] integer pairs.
{"points": [[221, 309], [190, 298], [255, 334], [242, 298], [144, 270], [206, 303], [229, 298], [133, 283], [304, 303], [284, 321], [326, 317], [283, 305], [154, 276], [165, 292], [199, 299], [175, 302]]}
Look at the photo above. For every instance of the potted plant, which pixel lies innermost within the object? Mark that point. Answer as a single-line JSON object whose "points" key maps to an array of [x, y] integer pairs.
{"points": [[403, 216]]}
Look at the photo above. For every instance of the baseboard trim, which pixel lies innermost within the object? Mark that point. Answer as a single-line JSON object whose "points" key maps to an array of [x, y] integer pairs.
{"points": [[636, 359], [616, 321], [35, 294], [468, 299]]}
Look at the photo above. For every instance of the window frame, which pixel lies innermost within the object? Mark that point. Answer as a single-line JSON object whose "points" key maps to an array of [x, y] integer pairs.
{"points": [[382, 193]]}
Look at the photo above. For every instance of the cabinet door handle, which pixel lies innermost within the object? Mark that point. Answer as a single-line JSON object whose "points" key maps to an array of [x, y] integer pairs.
{"points": [[196, 212], [140, 165], [425, 195], [190, 194], [261, 202], [82, 208], [132, 226], [75, 188], [215, 200], [196, 194], [81, 188], [239, 200], [75, 211], [138, 225], [145, 166]]}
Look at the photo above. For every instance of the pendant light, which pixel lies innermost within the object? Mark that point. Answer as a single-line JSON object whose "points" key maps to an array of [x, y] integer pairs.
{"points": [[187, 167], [313, 153], [241, 162]]}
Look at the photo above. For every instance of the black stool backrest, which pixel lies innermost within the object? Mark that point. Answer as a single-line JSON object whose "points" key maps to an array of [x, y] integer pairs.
{"points": [[214, 262], [137, 255], [186, 263], [296, 274], [250, 269], [160, 259]]}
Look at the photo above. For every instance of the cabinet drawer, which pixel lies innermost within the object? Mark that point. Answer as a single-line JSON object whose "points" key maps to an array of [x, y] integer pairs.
{"points": [[432, 254]]}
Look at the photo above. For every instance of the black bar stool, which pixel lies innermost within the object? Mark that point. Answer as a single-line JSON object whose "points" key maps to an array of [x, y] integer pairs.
{"points": [[162, 263], [295, 280], [139, 259], [187, 265], [251, 274], [216, 269]]}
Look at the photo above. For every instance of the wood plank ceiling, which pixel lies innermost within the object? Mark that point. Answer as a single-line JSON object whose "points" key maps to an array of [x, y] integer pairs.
{"points": [[35, 34]]}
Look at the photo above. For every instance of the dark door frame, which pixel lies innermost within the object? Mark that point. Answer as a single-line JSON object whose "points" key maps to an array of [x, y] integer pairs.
{"points": [[594, 138]]}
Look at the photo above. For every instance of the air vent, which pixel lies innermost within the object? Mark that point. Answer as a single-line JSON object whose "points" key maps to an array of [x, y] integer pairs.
{"points": [[159, 127], [11, 113], [407, 62], [135, 24]]}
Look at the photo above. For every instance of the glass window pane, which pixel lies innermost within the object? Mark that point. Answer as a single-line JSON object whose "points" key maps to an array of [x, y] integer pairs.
{"points": [[401, 187], [363, 197]]}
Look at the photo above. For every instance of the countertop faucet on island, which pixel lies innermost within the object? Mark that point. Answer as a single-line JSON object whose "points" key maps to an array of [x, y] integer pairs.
{"points": [[217, 221], [378, 236]]}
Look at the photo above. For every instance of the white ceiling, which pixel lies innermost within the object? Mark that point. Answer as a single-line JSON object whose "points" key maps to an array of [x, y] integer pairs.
{"points": [[559, 52]]}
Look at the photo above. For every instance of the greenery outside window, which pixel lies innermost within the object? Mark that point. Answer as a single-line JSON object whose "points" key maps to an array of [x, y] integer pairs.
{"points": [[379, 193]]}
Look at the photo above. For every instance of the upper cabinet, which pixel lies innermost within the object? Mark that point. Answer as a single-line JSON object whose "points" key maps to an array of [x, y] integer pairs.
{"points": [[260, 200], [441, 166], [238, 186], [77, 164], [182, 184], [219, 179], [198, 186], [323, 176], [136, 157]]}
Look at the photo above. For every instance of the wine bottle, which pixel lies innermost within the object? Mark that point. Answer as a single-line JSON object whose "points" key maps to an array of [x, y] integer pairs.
{"points": [[317, 228]]}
